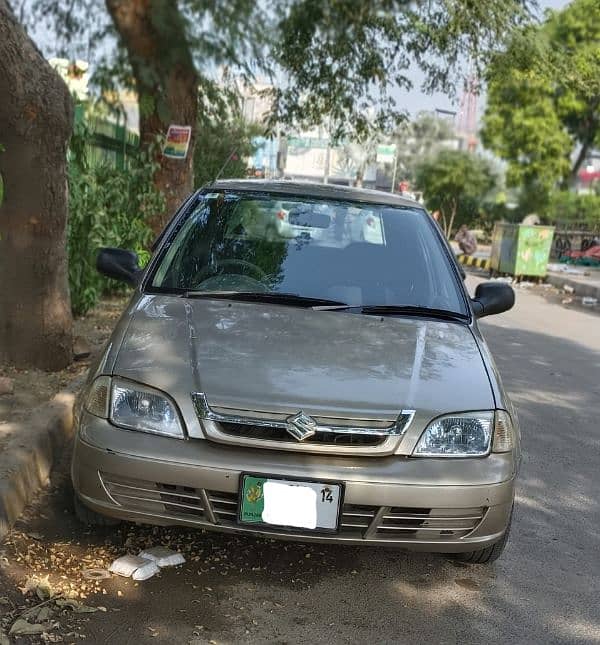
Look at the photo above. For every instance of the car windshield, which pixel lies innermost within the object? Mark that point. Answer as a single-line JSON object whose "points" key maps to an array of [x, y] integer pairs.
{"points": [[346, 252]]}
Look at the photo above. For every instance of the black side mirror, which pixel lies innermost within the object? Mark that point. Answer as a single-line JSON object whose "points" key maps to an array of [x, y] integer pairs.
{"points": [[119, 264], [492, 298]]}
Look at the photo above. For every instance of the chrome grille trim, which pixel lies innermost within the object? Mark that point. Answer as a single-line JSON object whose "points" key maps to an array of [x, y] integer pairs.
{"points": [[385, 435], [205, 412], [281, 417], [284, 435]]}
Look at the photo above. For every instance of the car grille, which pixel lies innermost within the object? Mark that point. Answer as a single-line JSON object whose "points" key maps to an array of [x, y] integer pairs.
{"points": [[294, 430], [250, 431], [382, 523]]}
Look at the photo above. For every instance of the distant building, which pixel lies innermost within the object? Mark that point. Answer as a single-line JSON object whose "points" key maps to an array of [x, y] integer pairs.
{"points": [[256, 102]]}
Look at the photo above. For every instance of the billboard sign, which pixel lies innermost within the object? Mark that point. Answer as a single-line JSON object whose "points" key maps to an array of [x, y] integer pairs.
{"points": [[386, 153]]}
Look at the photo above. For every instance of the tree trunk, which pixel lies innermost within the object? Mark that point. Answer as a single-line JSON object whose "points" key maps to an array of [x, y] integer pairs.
{"points": [[581, 156], [450, 223], [153, 33], [590, 128], [36, 116]]}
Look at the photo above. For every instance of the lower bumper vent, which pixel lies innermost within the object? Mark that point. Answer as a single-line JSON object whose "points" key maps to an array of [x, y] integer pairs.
{"points": [[385, 523]]}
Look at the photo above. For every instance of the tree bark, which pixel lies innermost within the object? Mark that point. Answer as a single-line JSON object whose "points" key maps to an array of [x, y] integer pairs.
{"points": [[591, 123], [581, 156], [36, 116], [450, 223], [153, 33]]}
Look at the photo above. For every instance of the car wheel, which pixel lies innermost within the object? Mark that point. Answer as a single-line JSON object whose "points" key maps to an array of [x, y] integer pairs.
{"points": [[487, 555], [89, 517]]}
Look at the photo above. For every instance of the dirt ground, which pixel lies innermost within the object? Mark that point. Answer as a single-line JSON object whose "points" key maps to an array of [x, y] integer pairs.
{"points": [[33, 387]]}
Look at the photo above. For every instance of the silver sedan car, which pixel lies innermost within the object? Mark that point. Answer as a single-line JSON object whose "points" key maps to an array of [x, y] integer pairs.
{"points": [[331, 388]]}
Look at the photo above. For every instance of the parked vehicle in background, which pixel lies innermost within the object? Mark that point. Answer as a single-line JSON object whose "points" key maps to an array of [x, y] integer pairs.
{"points": [[298, 219], [331, 385]]}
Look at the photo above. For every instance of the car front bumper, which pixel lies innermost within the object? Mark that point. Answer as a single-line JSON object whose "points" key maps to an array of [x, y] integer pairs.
{"points": [[438, 505]]}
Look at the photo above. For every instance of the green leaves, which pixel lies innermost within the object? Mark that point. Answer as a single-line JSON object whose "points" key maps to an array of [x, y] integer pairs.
{"points": [[217, 139], [566, 206], [456, 184], [346, 61], [418, 139], [107, 207], [544, 99], [339, 63]]}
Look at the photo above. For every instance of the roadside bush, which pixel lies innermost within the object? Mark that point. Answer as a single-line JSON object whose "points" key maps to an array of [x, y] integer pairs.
{"points": [[107, 207], [223, 145], [565, 206]]}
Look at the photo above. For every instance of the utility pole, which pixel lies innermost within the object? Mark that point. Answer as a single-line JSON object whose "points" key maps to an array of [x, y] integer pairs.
{"points": [[395, 170], [327, 163]]}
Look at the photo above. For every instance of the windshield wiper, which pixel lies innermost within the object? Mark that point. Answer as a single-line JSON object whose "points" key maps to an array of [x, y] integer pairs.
{"points": [[414, 310], [323, 304], [280, 298], [407, 310]]}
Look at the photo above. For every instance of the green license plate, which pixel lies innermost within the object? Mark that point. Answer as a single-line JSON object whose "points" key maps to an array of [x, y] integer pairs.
{"points": [[295, 504]]}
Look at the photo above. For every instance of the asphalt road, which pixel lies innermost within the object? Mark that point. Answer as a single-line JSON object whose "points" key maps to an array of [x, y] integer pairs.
{"points": [[545, 589]]}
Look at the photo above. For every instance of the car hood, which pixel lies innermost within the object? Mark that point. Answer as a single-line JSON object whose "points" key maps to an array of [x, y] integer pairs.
{"points": [[255, 356]]}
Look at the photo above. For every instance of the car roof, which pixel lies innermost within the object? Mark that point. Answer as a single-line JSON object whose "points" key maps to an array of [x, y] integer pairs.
{"points": [[313, 189]]}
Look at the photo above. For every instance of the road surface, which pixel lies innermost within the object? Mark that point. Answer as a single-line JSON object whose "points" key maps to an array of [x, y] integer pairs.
{"points": [[545, 589]]}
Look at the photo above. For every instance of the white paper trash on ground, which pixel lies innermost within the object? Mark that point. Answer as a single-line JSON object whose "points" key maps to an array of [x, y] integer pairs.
{"points": [[146, 571], [135, 567], [162, 556]]}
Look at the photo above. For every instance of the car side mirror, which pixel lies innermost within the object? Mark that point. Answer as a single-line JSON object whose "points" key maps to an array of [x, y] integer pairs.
{"points": [[119, 264], [492, 298]]}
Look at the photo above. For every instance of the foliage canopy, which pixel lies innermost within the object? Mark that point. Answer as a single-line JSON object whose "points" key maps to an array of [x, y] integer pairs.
{"points": [[222, 147], [343, 62], [107, 207], [418, 139], [455, 183], [543, 108]]}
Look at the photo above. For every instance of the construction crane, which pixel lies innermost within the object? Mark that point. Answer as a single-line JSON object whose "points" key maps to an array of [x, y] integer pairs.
{"points": [[466, 119]]}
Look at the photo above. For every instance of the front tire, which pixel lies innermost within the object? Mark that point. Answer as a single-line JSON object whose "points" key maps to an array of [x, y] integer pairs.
{"points": [[487, 555], [89, 517]]}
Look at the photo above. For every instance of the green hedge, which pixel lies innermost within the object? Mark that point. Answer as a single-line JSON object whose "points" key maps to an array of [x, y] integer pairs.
{"points": [[567, 207], [107, 207]]}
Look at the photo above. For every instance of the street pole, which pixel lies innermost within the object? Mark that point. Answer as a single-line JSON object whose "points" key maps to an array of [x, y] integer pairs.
{"points": [[395, 170], [327, 163]]}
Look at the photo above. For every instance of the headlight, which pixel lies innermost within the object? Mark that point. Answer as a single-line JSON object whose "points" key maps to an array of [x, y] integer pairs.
{"points": [[470, 434], [138, 407], [134, 406], [464, 435]]}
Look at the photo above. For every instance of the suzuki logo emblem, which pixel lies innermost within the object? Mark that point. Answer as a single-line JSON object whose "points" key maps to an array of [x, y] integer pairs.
{"points": [[301, 426]]}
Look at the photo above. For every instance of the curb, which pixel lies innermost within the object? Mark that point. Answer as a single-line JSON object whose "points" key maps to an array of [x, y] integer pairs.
{"points": [[27, 460], [580, 288], [470, 261]]}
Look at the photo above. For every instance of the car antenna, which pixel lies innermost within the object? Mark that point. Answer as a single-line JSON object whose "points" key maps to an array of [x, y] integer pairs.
{"points": [[232, 154]]}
